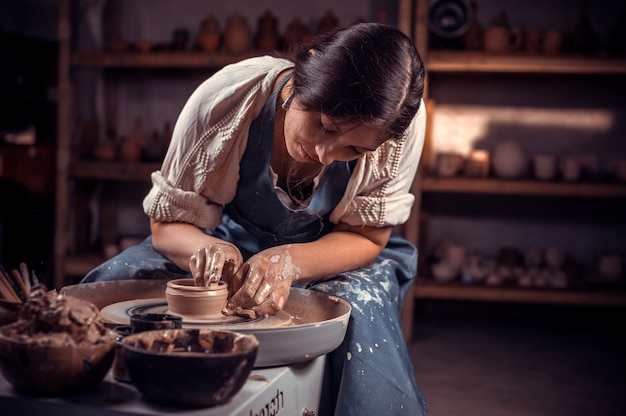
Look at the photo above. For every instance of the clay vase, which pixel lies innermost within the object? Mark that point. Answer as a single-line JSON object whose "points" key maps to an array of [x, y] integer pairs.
{"points": [[584, 37], [133, 145], [499, 37], [267, 37], [106, 150], [327, 23], [208, 38], [186, 299], [509, 160], [473, 38], [237, 34], [295, 33]]}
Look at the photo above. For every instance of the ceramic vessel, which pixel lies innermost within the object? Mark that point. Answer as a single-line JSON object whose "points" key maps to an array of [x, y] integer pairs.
{"points": [[237, 34], [533, 40], [544, 167], [473, 38], [509, 160], [553, 42], [610, 266], [569, 166], [477, 164], [295, 33], [327, 23], [449, 164], [133, 145], [500, 37], [189, 367], [208, 38], [267, 37], [149, 321], [54, 370], [186, 299]]}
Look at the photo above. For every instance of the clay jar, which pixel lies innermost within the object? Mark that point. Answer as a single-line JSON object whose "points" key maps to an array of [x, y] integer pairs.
{"points": [[500, 39], [267, 37], [186, 299], [132, 147], [295, 33], [237, 34], [509, 160], [208, 37]]}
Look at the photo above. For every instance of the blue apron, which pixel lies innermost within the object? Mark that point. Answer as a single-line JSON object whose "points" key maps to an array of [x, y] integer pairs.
{"points": [[371, 372]]}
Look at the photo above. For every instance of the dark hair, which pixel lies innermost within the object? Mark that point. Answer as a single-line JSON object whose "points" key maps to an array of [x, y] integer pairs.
{"points": [[369, 73]]}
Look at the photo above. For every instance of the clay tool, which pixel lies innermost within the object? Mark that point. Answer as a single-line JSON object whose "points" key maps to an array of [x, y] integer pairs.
{"points": [[17, 288], [7, 290]]}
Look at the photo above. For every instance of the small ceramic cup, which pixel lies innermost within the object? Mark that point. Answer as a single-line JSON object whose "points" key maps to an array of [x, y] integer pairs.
{"points": [[477, 164], [149, 321], [570, 168], [553, 42], [610, 266], [544, 167], [449, 164]]}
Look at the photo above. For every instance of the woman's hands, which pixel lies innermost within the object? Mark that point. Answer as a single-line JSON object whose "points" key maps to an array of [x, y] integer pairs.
{"points": [[263, 283], [215, 262]]}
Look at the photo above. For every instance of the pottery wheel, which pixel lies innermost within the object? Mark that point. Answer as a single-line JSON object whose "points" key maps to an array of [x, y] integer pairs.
{"points": [[311, 323], [119, 313]]}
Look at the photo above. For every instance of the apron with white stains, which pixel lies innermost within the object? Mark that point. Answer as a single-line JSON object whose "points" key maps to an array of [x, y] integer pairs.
{"points": [[370, 373]]}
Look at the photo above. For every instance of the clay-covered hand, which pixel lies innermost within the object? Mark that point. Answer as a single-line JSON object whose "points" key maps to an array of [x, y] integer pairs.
{"points": [[215, 262], [265, 283]]}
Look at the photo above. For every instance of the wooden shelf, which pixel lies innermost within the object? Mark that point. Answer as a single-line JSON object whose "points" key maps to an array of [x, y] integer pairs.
{"points": [[118, 171], [523, 187], [465, 61], [428, 289], [166, 59]]}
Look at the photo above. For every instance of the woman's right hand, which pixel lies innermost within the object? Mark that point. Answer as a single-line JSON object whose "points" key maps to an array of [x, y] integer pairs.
{"points": [[215, 262]]}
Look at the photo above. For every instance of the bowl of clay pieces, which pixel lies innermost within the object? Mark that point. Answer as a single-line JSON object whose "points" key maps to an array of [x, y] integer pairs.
{"points": [[58, 345], [189, 367]]}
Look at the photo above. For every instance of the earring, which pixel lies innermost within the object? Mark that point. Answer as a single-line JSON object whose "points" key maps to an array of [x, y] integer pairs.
{"points": [[287, 102]]}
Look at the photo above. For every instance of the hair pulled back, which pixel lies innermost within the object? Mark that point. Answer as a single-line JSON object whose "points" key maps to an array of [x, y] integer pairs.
{"points": [[368, 73]]}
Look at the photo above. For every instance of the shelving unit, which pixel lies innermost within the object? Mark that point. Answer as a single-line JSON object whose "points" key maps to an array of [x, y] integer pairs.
{"points": [[451, 63], [70, 260]]}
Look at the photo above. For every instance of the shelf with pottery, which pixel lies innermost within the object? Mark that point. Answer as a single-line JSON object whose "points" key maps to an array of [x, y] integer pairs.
{"points": [[159, 59], [427, 288], [521, 62], [522, 187], [117, 171]]}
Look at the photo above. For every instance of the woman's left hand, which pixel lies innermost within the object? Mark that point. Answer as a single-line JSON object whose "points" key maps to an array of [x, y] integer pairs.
{"points": [[265, 283]]}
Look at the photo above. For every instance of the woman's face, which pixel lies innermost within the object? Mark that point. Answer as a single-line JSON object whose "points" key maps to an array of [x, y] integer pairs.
{"points": [[312, 137]]}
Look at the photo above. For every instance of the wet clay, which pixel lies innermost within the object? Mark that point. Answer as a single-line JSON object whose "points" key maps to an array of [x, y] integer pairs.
{"points": [[186, 299]]}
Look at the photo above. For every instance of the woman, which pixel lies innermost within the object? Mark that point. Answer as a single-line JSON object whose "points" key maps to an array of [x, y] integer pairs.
{"points": [[284, 174]]}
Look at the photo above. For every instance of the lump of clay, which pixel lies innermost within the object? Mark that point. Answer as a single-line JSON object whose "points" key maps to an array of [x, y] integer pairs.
{"points": [[51, 319]]}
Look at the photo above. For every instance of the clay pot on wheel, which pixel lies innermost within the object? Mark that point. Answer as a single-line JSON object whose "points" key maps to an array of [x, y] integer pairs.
{"points": [[186, 299]]}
